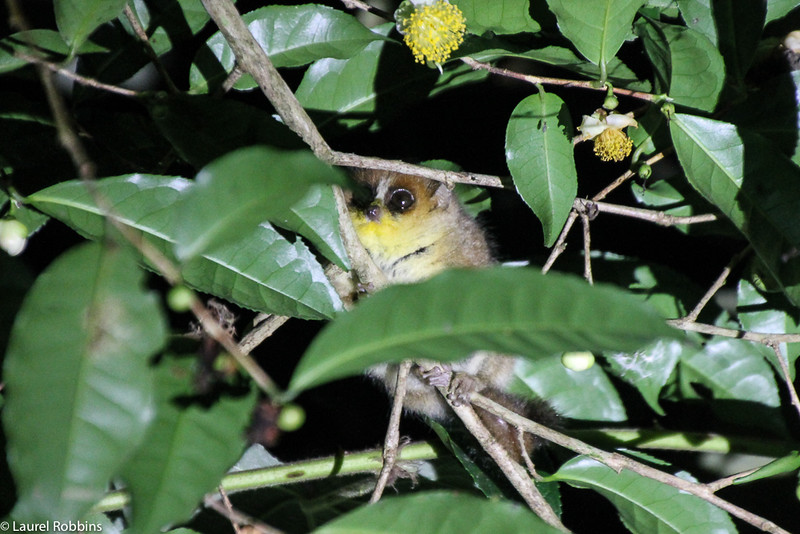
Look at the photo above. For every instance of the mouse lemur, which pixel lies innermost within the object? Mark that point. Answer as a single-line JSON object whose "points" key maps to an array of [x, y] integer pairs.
{"points": [[414, 228]]}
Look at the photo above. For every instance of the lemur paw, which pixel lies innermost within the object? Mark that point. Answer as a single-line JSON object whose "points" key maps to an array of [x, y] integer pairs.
{"points": [[439, 375], [461, 388]]}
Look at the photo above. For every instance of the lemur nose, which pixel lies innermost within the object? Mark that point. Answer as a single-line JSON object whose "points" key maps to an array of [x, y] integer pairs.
{"points": [[373, 212]]}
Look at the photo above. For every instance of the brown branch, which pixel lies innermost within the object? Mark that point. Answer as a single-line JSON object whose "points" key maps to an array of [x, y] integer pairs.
{"points": [[514, 472], [252, 59], [619, 462], [716, 286], [369, 275], [358, 4], [265, 326], [82, 80], [712, 330], [236, 517], [658, 217], [392, 442], [229, 508], [587, 249], [560, 245], [724, 482], [787, 377], [148, 48], [544, 80]]}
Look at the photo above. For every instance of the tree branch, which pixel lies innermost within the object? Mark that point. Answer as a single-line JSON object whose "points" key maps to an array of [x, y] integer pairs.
{"points": [[392, 442], [513, 471], [658, 217], [148, 48], [560, 245], [619, 462], [717, 285], [590, 84], [787, 377]]}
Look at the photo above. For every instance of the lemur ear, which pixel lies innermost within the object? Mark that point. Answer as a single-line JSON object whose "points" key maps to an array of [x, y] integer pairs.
{"points": [[441, 195]]}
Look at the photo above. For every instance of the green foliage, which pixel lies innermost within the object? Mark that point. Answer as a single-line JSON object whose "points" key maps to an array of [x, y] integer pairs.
{"points": [[441, 513], [82, 397], [539, 155], [506, 310], [645, 505], [204, 174]]}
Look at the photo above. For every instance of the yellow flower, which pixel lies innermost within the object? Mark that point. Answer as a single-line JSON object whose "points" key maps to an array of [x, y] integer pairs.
{"points": [[610, 142], [432, 31]]}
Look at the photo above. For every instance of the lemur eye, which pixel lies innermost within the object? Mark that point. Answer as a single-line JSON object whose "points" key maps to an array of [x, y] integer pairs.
{"points": [[400, 200]]}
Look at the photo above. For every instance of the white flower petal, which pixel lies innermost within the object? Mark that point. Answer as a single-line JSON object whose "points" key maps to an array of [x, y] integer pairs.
{"points": [[592, 127], [619, 121]]}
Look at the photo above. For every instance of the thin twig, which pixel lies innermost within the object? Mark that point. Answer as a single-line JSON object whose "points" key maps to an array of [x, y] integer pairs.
{"points": [[265, 326], [717, 285], [587, 249], [787, 377], [514, 472], [236, 517], [619, 462], [392, 441], [229, 508], [713, 330], [83, 80], [369, 274], [560, 245], [658, 217], [724, 482], [591, 85], [253, 60], [358, 4], [148, 48]]}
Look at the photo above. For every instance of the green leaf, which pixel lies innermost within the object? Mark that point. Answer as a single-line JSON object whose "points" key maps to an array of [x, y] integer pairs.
{"points": [[234, 193], [786, 464], [699, 17], [350, 90], [202, 128], [438, 512], [739, 26], [80, 391], [314, 217], [290, 35], [509, 16], [777, 9], [481, 480], [758, 314], [751, 183], [168, 23], [646, 505], [731, 369], [649, 369], [731, 378], [77, 19], [259, 270], [512, 311], [688, 66], [185, 453], [598, 28], [587, 395], [43, 40], [539, 156]]}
